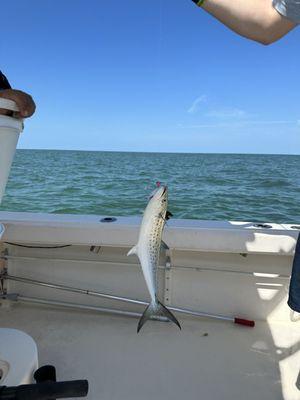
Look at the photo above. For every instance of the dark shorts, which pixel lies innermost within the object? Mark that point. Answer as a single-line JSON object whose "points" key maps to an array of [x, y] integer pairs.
{"points": [[4, 84], [294, 293]]}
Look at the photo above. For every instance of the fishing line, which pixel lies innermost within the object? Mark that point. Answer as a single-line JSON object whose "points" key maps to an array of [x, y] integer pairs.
{"points": [[160, 29]]}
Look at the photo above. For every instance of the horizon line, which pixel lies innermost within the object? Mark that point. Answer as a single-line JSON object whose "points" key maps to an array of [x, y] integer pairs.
{"points": [[159, 152]]}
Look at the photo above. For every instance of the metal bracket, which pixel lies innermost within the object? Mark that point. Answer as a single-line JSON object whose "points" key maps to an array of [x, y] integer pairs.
{"points": [[95, 249], [6, 300], [168, 274], [10, 297], [3, 271]]}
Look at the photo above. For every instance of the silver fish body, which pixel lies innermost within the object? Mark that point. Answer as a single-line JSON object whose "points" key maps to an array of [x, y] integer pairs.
{"points": [[148, 250]]}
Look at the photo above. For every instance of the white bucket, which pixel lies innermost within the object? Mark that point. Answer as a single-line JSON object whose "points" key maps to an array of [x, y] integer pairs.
{"points": [[10, 129]]}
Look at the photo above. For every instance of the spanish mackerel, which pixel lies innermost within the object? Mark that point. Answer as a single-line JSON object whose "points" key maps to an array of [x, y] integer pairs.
{"points": [[148, 249]]}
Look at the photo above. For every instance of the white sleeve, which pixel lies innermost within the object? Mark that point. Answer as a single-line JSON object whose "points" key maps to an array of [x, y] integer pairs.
{"points": [[289, 9]]}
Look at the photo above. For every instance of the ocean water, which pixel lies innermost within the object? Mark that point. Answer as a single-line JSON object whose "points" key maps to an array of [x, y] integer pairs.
{"points": [[258, 188]]}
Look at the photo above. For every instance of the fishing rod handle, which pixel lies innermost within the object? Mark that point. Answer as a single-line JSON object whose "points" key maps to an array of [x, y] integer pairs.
{"points": [[46, 391]]}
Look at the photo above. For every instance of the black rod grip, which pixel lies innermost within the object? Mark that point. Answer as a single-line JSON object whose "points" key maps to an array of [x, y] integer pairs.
{"points": [[46, 391]]}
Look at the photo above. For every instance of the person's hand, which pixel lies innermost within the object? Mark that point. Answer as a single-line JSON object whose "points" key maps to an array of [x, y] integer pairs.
{"points": [[23, 100]]}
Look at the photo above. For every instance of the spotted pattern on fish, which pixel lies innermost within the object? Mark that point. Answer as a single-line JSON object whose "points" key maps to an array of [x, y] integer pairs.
{"points": [[155, 240]]}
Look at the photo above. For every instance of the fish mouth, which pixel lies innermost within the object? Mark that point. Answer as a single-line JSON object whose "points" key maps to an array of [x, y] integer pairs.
{"points": [[163, 193], [155, 192]]}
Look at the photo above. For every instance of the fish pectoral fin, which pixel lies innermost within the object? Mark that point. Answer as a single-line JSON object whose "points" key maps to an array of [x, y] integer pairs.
{"points": [[161, 216], [164, 245], [134, 250], [168, 215]]}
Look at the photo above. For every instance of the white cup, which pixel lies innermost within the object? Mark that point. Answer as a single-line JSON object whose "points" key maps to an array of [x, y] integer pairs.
{"points": [[10, 129]]}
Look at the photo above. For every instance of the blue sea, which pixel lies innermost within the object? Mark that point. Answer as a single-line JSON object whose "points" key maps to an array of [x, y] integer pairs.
{"points": [[258, 188]]}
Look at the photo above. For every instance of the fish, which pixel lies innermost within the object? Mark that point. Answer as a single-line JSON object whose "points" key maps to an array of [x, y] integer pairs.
{"points": [[148, 250]]}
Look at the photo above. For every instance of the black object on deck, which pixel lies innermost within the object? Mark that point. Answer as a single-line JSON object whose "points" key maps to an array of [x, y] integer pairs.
{"points": [[45, 391], [46, 387], [47, 373]]}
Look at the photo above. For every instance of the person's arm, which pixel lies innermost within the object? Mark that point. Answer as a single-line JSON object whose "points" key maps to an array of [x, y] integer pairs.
{"points": [[255, 19]]}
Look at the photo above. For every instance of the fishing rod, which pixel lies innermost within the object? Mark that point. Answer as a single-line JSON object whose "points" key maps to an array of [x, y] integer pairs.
{"points": [[92, 293]]}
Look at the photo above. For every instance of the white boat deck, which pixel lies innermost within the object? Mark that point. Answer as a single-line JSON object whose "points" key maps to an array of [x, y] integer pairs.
{"points": [[233, 269], [208, 359]]}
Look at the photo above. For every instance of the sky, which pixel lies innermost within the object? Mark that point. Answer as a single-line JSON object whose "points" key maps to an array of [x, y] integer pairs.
{"points": [[148, 76]]}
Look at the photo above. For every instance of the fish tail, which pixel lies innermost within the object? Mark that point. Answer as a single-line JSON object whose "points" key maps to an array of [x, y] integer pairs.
{"points": [[154, 310]]}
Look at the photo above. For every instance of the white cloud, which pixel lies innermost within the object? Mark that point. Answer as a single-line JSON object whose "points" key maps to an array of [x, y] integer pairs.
{"points": [[196, 104], [204, 126], [272, 122], [227, 113], [238, 124]]}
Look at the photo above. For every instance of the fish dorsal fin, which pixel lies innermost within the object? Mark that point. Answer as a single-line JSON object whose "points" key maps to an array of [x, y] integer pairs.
{"points": [[134, 250]]}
